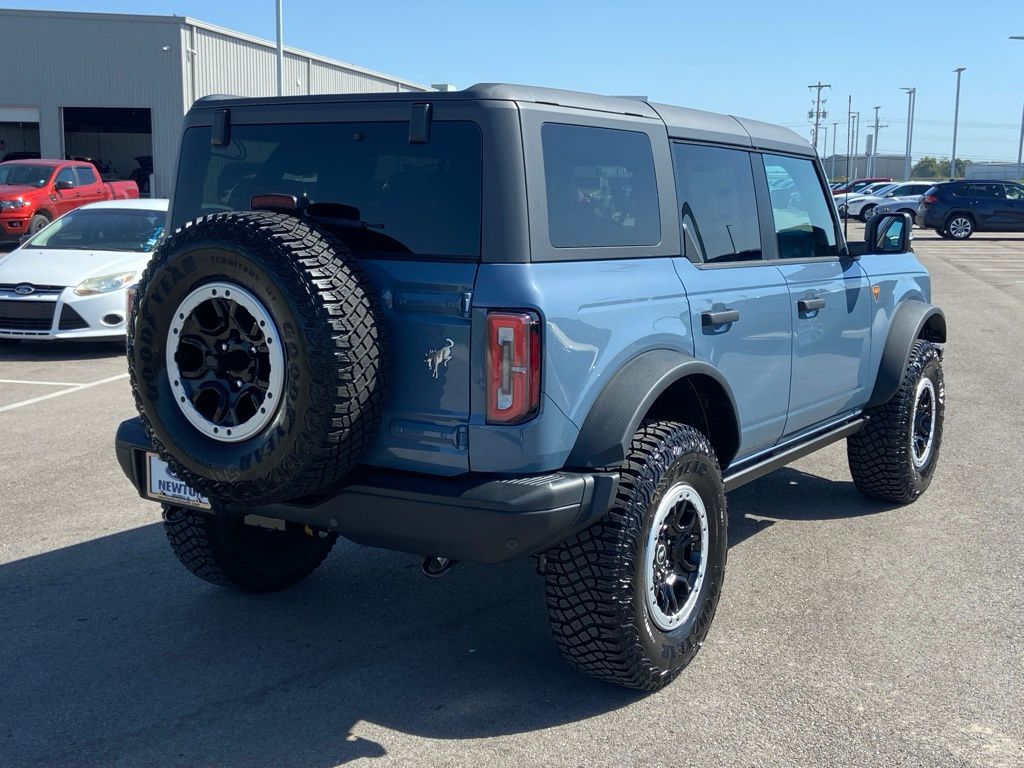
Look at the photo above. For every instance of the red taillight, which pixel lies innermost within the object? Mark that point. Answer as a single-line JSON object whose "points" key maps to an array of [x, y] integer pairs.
{"points": [[513, 367], [931, 199]]}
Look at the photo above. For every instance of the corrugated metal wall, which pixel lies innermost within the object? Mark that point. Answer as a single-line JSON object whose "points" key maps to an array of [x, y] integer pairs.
{"points": [[158, 63], [83, 60], [229, 63]]}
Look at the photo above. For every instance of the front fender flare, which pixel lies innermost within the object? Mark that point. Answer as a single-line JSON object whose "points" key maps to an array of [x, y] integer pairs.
{"points": [[913, 320], [615, 416]]}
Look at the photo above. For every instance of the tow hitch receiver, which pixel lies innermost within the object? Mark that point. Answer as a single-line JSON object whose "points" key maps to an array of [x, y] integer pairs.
{"points": [[436, 567]]}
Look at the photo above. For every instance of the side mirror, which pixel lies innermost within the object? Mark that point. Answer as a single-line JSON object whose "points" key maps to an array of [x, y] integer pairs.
{"points": [[60, 186], [889, 233]]}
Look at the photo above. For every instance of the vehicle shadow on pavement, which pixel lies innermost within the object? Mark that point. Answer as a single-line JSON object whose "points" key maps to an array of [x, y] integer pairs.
{"points": [[62, 351], [789, 494], [112, 654]]}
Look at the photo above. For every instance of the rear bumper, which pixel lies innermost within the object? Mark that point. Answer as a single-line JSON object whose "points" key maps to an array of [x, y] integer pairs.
{"points": [[474, 517]]}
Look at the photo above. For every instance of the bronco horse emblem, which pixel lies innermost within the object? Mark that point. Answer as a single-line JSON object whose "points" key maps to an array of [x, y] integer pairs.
{"points": [[435, 358]]}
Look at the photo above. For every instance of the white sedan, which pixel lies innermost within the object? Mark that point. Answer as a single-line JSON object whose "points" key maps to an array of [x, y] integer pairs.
{"points": [[69, 280]]}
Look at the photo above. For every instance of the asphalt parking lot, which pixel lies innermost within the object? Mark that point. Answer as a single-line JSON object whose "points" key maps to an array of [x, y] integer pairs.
{"points": [[849, 633]]}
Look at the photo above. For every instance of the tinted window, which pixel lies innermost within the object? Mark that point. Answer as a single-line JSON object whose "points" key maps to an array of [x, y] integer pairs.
{"points": [[414, 198], [108, 229], [85, 175], [66, 174], [717, 204], [601, 188], [803, 222], [30, 175]]}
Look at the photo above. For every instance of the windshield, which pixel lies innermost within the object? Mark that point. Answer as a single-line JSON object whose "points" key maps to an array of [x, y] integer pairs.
{"points": [[401, 198], [103, 229], [28, 175], [878, 189]]}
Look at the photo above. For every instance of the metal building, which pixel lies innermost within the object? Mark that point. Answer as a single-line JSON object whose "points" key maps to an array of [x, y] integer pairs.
{"points": [[114, 88]]}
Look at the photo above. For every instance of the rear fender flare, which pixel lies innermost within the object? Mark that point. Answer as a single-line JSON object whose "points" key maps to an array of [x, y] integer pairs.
{"points": [[615, 416]]}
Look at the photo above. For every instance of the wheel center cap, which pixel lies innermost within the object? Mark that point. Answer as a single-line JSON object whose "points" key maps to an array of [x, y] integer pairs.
{"points": [[661, 554]]}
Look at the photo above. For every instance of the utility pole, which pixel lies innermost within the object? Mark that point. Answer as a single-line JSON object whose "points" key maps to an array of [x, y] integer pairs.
{"points": [[280, 47], [911, 101], [849, 137], [835, 132], [856, 146], [824, 143], [817, 114], [956, 119], [874, 146]]}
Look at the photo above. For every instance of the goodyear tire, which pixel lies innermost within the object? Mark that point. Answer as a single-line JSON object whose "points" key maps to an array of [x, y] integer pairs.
{"points": [[631, 598], [230, 553], [255, 357], [894, 456]]}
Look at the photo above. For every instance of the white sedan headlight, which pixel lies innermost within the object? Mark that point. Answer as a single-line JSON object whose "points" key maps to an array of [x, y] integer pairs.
{"points": [[105, 284]]}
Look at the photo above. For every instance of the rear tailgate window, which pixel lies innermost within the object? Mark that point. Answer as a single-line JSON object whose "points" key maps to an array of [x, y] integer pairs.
{"points": [[415, 199]]}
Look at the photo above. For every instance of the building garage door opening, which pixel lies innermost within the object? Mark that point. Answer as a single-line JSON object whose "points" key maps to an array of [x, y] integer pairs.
{"points": [[118, 141], [19, 133]]}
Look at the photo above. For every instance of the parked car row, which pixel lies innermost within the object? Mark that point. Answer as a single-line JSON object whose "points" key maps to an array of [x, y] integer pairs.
{"points": [[69, 280], [864, 203], [35, 192]]}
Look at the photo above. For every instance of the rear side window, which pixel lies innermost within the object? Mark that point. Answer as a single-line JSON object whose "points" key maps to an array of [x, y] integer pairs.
{"points": [[85, 175], [421, 199], [601, 187], [803, 223], [718, 208]]}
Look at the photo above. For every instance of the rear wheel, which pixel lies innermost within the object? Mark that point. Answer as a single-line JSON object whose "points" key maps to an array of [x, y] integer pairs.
{"points": [[631, 598], [960, 227], [230, 553]]}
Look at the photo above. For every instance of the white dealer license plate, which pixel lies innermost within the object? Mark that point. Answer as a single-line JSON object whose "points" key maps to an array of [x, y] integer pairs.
{"points": [[163, 484]]}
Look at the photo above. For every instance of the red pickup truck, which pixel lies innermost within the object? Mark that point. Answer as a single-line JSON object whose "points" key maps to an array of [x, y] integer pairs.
{"points": [[35, 192]]}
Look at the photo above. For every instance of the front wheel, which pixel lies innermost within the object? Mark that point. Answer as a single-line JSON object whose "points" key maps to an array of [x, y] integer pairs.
{"points": [[228, 552], [36, 223], [893, 457], [865, 213], [631, 598]]}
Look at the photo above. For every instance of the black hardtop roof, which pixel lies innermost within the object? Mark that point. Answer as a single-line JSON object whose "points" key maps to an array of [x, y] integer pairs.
{"points": [[681, 122]]}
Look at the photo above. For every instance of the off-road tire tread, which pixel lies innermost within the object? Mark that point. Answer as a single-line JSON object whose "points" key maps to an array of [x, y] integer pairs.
{"points": [[202, 542], [343, 335], [590, 603], [879, 454]]}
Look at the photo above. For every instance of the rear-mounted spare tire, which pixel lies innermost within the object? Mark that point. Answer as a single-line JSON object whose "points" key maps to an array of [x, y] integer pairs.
{"points": [[256, 357]]}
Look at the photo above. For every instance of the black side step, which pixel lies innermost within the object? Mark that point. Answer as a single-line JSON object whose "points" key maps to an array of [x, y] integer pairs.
{"points": [[744, 474]]}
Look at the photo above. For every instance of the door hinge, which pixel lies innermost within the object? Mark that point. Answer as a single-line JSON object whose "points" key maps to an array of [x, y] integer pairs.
{"points": [[462, 438], [467, 303]]}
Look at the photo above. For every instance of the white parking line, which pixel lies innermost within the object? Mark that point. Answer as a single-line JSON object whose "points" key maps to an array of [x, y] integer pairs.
{"points": [[42, 383], [59, 393]]}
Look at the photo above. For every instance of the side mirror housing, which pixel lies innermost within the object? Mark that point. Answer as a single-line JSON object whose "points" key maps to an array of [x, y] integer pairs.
{"points": [[60, 186], [889, 233]]}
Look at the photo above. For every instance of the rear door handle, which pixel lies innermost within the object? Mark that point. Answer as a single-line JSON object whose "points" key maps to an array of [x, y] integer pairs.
{"points": [[722, 317], [809, 305]]}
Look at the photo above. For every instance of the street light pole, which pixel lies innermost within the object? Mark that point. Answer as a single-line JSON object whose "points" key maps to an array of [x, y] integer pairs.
{"points": [[1020, 144], [280, 47], [956, 119], [835, 131], [911, 97]]}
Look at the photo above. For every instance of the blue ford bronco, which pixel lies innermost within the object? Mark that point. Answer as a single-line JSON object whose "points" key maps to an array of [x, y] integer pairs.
{"points": [[509, 322]]}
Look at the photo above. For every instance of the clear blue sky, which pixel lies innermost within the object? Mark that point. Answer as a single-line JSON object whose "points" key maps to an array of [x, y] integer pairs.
{"points": [[748, 57]]}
